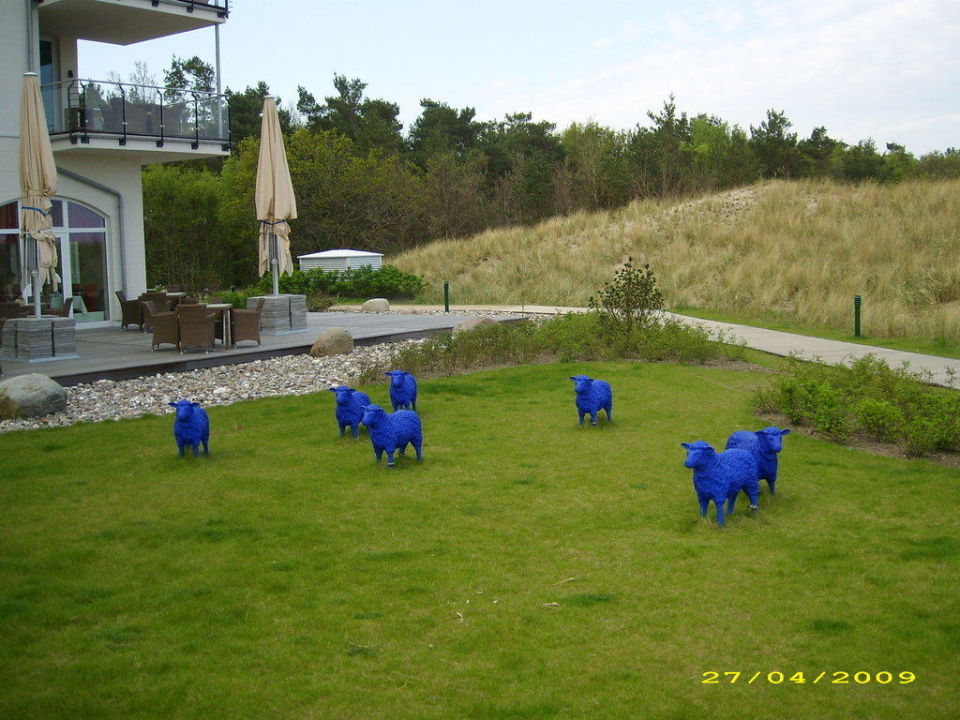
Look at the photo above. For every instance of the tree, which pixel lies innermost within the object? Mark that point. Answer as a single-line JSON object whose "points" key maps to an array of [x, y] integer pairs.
{"points": [[594, 158], [663, 152], [775, 148], [368, 123], [443, 129], [245, 109], [190, 75], [817, 150], [858, 162]]}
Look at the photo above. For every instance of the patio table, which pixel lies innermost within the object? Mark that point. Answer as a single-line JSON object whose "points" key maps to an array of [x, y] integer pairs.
{"points": [[224, 310]]}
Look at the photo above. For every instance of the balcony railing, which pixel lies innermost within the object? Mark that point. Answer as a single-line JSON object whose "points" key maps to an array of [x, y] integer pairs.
{"points": [[223, 6], [93, 108]]}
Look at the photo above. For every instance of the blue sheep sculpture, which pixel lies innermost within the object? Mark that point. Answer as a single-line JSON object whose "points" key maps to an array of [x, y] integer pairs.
{"points": [[389, 433], [764, 444], [349, 409], [721, 476], [191, 427], [403, 390], [592, 397]]}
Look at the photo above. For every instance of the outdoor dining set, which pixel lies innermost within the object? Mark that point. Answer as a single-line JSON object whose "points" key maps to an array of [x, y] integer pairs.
{"points": [[175, 318]]}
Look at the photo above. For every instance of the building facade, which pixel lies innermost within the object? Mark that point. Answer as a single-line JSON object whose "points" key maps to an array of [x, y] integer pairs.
{"points": [[102, 134]]}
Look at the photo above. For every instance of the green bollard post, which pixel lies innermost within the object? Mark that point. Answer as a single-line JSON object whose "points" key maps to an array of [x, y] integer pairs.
{"points": [[446, 296], [857, 301]]}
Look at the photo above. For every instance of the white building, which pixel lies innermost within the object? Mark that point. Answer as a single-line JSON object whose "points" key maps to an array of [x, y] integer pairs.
{"points": [[102, 133]]}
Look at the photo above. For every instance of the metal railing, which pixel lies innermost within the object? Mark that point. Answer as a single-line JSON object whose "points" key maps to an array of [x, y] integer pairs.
{"points": [[221, 5], [95, 108]]}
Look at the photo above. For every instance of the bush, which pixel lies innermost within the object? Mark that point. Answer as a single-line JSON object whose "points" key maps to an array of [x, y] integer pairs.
{"points": [[890, 404], [575, 336], [365, 282], [881, 419], [630, 301]]}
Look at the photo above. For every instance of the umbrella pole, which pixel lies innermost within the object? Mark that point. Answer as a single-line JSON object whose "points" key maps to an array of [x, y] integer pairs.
{"points": [[35, 275], [275, 263]]}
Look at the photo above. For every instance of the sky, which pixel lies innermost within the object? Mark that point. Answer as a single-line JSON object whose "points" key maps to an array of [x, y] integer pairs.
{"points": [[888, 70]]}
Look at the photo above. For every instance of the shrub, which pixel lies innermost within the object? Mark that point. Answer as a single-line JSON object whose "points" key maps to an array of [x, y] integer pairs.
{"points": [[890, 404], [630, 301], [365, 282], [880, 418]]}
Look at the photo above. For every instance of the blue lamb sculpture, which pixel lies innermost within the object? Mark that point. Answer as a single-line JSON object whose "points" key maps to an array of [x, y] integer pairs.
{"points": [[349, 410], [403, 390], [721, 476], [191, 427], [592, 396], [764, 444], [393, 432]]}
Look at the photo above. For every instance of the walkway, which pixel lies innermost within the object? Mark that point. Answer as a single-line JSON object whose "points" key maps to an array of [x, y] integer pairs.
{"points": [[116, 354]]}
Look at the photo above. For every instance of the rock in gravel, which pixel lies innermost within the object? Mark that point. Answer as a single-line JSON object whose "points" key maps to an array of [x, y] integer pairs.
{"points": [[31, 396], [471, 323], [376, 305], [332, 341]]}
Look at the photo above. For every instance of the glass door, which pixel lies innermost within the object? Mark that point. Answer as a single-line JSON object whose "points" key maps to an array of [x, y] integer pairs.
{"points": [[84, 262]]}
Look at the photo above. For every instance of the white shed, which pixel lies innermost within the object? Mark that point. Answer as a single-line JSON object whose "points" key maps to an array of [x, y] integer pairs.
{"points": [[340, 260]]}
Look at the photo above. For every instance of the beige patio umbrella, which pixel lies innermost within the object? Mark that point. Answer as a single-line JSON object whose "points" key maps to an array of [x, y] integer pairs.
{"points": [[274, 197], [38, 183]]}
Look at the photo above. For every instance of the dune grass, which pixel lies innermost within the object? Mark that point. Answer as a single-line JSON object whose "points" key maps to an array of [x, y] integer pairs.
{"points": [[529, 568], [801, 249]]}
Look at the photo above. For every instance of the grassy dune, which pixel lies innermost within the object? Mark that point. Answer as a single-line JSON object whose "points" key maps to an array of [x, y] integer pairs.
{"points": [[797, 250]]}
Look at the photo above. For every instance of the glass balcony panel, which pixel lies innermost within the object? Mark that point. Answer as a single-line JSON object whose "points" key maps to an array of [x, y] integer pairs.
{"points": [[126, 110]]}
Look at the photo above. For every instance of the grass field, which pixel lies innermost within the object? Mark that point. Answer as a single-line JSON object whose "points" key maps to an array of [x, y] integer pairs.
{"points": [[528, 568], [799, 249]]}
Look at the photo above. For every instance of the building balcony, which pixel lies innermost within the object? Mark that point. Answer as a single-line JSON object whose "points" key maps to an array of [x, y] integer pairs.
{"points": [[129, 22], [118, 114]]}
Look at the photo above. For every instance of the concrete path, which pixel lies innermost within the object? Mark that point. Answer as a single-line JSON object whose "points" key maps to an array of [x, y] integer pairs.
{"points": [[834, 352]]}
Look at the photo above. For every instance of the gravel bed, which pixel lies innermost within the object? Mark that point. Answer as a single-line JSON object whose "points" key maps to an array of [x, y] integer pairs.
{"points": [[290, 375]]}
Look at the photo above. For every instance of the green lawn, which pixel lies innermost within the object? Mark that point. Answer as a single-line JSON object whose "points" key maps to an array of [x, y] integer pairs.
{"points": [[529, 568], [775, 321]]}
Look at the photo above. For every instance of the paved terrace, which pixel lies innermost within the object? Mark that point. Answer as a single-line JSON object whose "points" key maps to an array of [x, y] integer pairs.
{"points": [[118, 354], [122, 354]]}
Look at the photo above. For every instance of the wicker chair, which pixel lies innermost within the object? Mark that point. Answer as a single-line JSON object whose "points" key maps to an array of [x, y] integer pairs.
{"points": [[61, 312], [160, 303], [131, 310], [245, 324], [165, 327], [196, 326]]}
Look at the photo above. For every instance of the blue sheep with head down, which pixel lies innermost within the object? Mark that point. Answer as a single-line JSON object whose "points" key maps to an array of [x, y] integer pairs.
{"points": [[403, 390], [721, 476], [592, 397], [393, 432], [764, 444], [191, 427], [349, 409]]}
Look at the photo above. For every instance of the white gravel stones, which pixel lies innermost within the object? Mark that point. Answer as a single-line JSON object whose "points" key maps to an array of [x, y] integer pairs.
{"points": [[223, 385]]}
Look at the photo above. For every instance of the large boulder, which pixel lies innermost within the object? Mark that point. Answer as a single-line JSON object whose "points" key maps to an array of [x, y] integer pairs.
{"points": [[376, 305], [472, 323], [333, 341], [31, 396]]}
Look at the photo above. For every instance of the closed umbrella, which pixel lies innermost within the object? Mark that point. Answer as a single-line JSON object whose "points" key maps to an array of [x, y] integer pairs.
{"points": [[274, 197], [38, 183]]}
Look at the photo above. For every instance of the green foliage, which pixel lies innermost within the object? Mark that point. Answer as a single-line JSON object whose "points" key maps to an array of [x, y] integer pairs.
{"points": [[361, 183], [365, 282], [629, 302], [889, 405], [881, 419], [571, 337]]}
